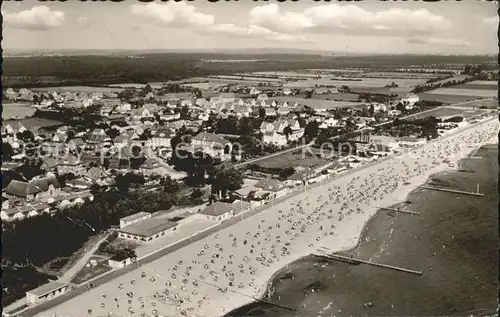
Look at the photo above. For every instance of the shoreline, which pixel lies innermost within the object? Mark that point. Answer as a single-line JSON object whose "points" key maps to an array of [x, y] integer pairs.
{"points": [[346, 237], [405, 191], [438, 170]]}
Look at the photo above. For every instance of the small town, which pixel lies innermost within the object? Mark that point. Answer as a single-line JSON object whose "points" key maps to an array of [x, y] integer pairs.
{"points": [[191, 184]]}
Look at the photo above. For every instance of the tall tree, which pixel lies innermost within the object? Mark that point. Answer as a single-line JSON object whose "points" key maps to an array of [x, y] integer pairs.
{"points": [[7, 152], [311, 130], [287, 131], [227, 179]]}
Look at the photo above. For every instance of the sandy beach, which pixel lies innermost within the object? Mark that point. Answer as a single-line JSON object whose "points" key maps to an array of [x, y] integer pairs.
{"points": [[232, 267]]}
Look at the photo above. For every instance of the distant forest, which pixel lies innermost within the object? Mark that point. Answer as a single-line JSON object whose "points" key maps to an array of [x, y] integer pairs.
{"points": [[40, 71]]}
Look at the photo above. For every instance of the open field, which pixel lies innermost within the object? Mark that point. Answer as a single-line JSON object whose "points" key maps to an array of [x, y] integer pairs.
{"points": [[16, 110], [317, 103], [337, 97], [448, 112], [465, 92], [246, 78], [285, 74], [479, 85], [484, 82], [289, 160], [446, 98], [87, 89], [35, 122], [225, 81], [356, 83], [456, 77], [400, 75], [486, 103], [205, 86]]}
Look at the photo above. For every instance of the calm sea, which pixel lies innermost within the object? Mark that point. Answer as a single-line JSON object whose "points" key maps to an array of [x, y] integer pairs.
{"points": [[454, 242]]}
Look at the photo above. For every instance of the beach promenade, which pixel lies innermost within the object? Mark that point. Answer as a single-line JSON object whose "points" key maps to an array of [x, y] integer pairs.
{"points": [[243, 257]]}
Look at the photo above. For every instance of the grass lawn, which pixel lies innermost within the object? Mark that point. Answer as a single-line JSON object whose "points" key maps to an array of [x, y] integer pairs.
{"points": [[446, 98], [492, 87], [446, 112], [336, 97], [289, 160], [90, 272], [465, 92]]}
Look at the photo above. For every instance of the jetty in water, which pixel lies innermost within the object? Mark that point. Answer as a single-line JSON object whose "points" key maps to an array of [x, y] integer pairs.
{"points": [[347, 259], [400, 210], [453, 190]]}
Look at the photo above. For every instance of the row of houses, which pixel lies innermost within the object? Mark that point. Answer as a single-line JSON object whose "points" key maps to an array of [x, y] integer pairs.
{"points": [[25, 199]]}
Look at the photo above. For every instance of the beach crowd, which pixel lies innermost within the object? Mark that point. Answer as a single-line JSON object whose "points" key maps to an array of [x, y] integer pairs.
{"points": [[230, 261]]}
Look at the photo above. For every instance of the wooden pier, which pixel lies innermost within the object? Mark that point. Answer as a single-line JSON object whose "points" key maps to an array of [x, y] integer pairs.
{"points": [[342, 258], [453, 191], [401, 211], [254, 298]]}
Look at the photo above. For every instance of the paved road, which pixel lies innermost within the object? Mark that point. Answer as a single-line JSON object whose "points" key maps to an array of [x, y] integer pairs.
{"points": [[69, 274], [114, 274]]}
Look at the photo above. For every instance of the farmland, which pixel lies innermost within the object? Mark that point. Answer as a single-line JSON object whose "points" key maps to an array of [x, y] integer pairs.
{"points": [[454, 78], [398, 75], [35, 122], [16, 110], [465, 92], [337, 97], [317, 103], [491, 103], [355, 83], [446, 98], [87, 89]]}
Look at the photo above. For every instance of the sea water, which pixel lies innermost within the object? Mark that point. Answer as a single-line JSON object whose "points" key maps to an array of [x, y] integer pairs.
{"points": [[454, 242]]}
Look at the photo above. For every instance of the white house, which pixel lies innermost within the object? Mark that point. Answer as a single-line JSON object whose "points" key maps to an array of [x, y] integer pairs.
{"points": [[212, 144], [379, 107], [119, 261], [273, 186], [218, 211], [273, 133], [394, 113], [410, 99], [161, 138], [410, 141], [45, 292], [329, 123], [254, 91], [262, 97]]}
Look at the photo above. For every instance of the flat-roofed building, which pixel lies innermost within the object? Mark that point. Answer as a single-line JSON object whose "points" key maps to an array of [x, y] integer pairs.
{"points": [[148, 230], [218, 211], [119, 260], [135, 218], [46, 292]]}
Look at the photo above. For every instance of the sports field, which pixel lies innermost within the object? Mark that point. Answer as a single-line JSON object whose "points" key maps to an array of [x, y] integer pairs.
{"points": [[446, 98], [445, 112]]}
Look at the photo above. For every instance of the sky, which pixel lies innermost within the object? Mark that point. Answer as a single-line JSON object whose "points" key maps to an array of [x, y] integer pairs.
{"points": [[446, 27]]}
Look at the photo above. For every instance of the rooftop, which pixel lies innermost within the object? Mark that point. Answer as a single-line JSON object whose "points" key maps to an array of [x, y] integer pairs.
{"points": [[47, 288], [149, 227], [22, 189], [270, 184], [217, 209], [135, 216], [211, 137]]}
